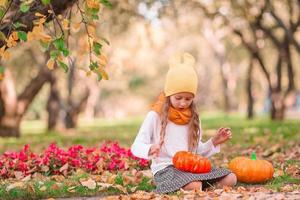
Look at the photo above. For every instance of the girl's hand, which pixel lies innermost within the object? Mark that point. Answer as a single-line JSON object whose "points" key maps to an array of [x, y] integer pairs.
{"points": [[154, 150], [222, 136]]}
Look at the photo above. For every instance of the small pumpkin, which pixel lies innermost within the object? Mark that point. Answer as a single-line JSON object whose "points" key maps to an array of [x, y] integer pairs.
{"points": [[190, 162], [251, 170]]}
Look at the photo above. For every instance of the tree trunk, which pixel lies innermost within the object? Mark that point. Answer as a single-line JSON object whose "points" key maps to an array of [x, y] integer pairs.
{"points": [[53, 104], [9, 122], [250, 107], [277, 106], [13, 107], [73, 111]]}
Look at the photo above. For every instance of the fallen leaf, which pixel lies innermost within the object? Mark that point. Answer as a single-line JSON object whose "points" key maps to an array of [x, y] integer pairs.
{"points": [[19, 175], [55, 186], [58, 178], [79, 172], [64, 167], [15, 185], [71, 189], [90, 183], [278, 173], [287, 188], [44, 168], [111, 179], [43, 188], [26, 178], [121, 188]]}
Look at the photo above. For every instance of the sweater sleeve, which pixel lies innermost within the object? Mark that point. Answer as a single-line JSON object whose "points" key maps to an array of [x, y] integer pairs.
{"points": [[207, 148], [142, 143]]}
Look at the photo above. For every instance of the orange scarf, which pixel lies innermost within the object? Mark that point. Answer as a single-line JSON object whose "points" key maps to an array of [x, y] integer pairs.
{"points": [[176, 116]]}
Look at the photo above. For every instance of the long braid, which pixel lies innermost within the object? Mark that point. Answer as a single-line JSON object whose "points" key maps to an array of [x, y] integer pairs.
{"points": [[194, 129], [164, 120]]}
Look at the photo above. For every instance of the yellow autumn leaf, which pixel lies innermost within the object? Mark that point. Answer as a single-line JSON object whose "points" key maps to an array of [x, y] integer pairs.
{"points": [[1, 77], [65, 24], [39, 14], [30, 36], [50, 64], [45, 38], [41, 21], [60, 58], [89, 73], [102, 72], [14, 35], [11, 41], [93, 4], [102, 60], [91, 30], [59, 16], [3, 3], [37, 29], [4, 54], [76, 26]]}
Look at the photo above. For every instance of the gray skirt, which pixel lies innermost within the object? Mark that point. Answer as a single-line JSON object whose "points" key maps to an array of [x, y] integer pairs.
{"points": [[171, 179]]}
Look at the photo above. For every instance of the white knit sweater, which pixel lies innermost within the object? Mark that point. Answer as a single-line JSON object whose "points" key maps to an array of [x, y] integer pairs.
{"points": [[176, 139]]}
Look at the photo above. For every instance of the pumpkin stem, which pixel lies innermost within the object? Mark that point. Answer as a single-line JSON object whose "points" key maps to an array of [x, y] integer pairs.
{"points": [[253, 156]]}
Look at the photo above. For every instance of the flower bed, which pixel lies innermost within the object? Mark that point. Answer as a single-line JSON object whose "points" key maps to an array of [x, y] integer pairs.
{"points": [[54, 160]]}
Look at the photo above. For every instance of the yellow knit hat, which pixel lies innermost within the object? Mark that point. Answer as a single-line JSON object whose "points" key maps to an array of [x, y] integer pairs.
{"points": [[181, 76]]}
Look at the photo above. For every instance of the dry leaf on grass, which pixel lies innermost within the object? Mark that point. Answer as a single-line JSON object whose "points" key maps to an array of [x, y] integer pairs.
{"points": [[15, 185], [19, 175], [90, 183], [65, 167], [26, 178], [71, 189], [58, 178], [43, 188]]}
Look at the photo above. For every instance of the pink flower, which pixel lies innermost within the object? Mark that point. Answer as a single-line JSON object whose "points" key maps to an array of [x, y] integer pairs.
{"points": [[22, 156]]}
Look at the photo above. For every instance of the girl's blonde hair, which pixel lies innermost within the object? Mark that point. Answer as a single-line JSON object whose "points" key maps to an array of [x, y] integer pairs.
{"points": [[194, 127]]}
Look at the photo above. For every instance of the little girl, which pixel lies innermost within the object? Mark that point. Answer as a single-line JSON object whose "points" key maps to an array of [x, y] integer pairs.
{"points": [[173, 125]]}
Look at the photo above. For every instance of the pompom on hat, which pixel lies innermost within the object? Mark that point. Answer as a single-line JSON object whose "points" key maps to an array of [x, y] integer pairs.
{"points": [[181, 76]]}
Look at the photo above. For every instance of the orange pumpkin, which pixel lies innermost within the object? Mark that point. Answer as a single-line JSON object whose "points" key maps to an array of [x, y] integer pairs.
{"points": [[251, 170], [187, 161]]}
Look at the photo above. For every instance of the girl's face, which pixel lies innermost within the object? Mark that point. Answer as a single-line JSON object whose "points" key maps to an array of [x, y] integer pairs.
{"points": [[182, 100]]}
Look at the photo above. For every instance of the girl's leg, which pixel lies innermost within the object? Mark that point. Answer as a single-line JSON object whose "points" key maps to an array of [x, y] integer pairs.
{"points": [[229, 180], [193, 185]]}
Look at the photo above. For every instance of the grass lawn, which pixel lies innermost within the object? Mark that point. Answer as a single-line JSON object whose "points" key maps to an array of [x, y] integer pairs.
{"points": [[278, 142]]}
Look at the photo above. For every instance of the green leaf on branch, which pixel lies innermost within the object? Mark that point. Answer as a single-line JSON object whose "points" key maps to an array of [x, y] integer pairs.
{"points": [[106, 3], [99, 76], [24, 7], [63, 65], [2, 69], [18, 25], [22, 35], [2, 11], [45, 45], [54, 54], [93, 66], [65, 52], [2, 36], [97, 47], [59, 43], [105, 40], [46, 2]]}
